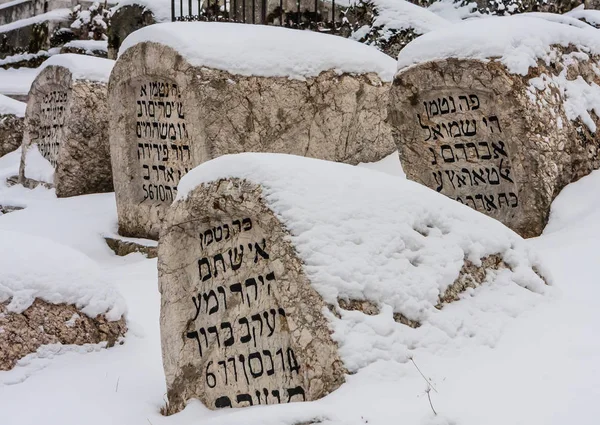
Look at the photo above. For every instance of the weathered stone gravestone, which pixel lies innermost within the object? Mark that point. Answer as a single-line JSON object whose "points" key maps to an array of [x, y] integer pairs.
{"points": [[263, 256], [65, 143], [503, 139], [11, 124], [184, 93], [51, 294]]}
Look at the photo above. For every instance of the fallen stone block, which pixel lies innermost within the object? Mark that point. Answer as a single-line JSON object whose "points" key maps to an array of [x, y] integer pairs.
{"points": [[51, 294]]}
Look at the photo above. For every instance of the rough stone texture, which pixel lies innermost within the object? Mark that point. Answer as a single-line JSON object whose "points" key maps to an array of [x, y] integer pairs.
{"points": [[11, 133], [255, 311], [486, 138], [68, 120], [123, 22], [167, 117], [592, 4], [43, 323], [31, 38], [471, 276], [122, 247]]}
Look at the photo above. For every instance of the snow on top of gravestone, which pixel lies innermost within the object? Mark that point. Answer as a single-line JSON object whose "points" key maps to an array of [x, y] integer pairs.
{"points": [[587, 15], [261, 50], [11, 106], [161, 10], [82, 67], [400, 15], [34, 267], [366, 235], [518, 42]]}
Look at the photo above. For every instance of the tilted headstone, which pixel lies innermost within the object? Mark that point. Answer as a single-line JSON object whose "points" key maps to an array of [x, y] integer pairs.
{"points": [[65, 143], [264, 256], [184, 93], [503, 135], [11, 124]]}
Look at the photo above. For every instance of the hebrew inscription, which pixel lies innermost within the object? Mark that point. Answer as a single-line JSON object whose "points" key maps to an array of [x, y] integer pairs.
{"points": [[467, 152], [51, 121], [162, 141], [237, 328]]}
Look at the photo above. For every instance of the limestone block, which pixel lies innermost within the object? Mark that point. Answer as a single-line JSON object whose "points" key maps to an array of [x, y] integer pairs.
{"points": [[65, 143], [44, 323], [247, 290], [168, 116], [53, 294], [11, 133], [263, 257], [499, 142]]}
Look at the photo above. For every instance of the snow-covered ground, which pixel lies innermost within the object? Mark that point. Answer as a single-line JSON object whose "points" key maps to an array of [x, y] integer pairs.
{"points": [[536, 363], [542, 368]]}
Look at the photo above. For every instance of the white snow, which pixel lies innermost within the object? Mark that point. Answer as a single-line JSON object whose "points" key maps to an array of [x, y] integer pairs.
{"points": [[540, 368], [402, 15], [501, 355], [12, 3], [37, 167], [89, 45], [33, 267], [349, 252], [260, 50], [454, 11], [11, 106], [565, 19], [588, 15], [389, 165], [82, 67], [22, 57], [161, 10], [518, 42], [17, 81], [53, 15]]}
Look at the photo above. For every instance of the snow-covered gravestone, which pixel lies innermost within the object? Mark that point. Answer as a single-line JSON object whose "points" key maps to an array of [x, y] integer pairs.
{"points": [[484, 118], [11, 124], [65, 143], [52, 294], [279, 274], [183, 93]]}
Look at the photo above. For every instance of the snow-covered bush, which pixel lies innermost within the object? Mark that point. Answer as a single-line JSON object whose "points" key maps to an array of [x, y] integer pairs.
{"points": [[388, 25], [91, 24]]}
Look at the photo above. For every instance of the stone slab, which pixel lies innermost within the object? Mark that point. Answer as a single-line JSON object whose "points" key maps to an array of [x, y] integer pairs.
{"points": [[44, 323], [11, 133], [488, 139], [271, 266], [67, 122], [168, 116], [240, 323]]}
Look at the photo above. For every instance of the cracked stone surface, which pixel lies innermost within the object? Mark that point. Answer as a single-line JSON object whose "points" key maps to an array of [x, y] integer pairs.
{"points": [[11, 133], [44, 323], [240, 323], [168, 117], [124, 247], [68, 120], [484, 137]]}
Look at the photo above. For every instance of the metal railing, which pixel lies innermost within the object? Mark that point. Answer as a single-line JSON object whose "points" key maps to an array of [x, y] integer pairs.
{"points": [[318, 15]]}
